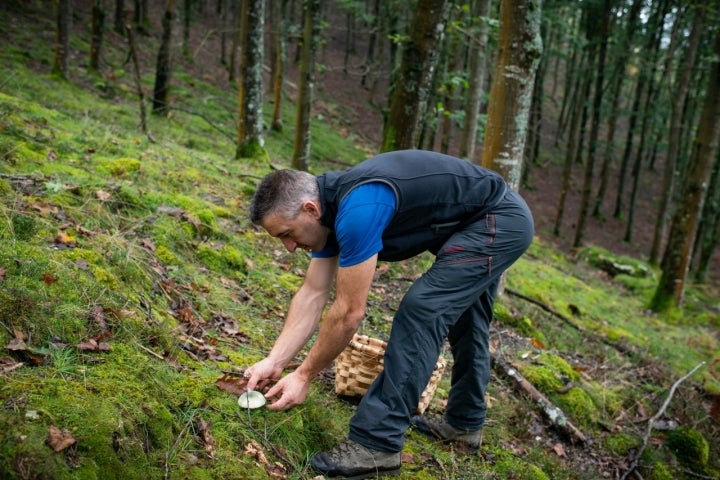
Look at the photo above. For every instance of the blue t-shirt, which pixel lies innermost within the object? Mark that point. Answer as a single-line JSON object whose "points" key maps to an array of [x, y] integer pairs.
{"points": [[361, 220]]}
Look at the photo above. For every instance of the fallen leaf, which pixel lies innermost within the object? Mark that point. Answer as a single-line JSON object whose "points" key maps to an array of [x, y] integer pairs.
{"points": [[49, 278], [16, 345], [81, 264], [102, 195], [206, 436], [2, 274], [230, 383], [559, 450], [537, 343], [58, 439], [63, 238], [254, 450]]}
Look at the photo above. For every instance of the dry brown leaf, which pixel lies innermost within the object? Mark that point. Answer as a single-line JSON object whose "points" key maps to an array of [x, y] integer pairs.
{"points": [[559, 450], [254, 450], [64, 239], [49, 278], [3, 271], [230, 383], [206, 436], [102, 195], [59, 439]]}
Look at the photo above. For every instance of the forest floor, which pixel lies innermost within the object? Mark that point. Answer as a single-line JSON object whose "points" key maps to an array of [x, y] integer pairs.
{"points": [[154, 234]]}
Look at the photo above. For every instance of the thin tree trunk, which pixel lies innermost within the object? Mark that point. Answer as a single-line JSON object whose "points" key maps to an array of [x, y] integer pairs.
{"points": [[278, 70], [410, 94], [136, 74], [62, 37], [306, 82], [370, 65], [621, 59], [709, 233], [678, 103], [476, 87], [237, 18], [120, 16], [96, 34], [595, 124], [163, 72], [676, 261]]}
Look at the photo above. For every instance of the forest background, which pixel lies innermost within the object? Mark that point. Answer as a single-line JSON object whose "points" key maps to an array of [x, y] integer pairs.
{"points": [[656, 80]]}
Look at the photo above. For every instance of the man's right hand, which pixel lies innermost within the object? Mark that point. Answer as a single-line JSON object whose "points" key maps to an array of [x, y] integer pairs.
{"points": [[262, 374]]}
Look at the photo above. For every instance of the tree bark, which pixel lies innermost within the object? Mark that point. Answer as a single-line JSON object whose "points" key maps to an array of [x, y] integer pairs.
{"points": [[96, 34], [62, 37], [685, 221], [306, 83], [279, 50], [519, 50], [411, 87], [163, 70], [476, 87], [677, 107], [250, 99]]}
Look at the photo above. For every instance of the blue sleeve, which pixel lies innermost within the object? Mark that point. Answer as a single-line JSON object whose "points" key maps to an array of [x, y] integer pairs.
{"points": [[362, 218]]}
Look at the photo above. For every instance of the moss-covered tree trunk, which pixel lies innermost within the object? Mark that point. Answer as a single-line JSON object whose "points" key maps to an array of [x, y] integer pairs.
{"points": [[163, 70], [411, 85], [250, 139], [62, 37], [519, 50], [478, 56], [676, 261], [306, 81]]}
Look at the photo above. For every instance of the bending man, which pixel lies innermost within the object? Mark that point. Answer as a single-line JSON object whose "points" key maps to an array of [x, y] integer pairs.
{"points": [[392, 207]]}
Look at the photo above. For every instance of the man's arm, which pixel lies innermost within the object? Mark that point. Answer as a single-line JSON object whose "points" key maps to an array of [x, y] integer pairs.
{"points": [[336, 330], [300, 323]]}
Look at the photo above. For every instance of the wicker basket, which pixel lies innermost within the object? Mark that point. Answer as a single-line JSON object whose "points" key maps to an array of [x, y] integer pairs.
{"points": [[362, 360]]}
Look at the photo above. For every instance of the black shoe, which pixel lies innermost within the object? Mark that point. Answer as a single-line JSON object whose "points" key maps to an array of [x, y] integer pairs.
{"points": [[354, 461], [440, 429]]}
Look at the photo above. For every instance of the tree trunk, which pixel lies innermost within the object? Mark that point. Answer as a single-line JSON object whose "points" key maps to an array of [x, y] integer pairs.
{"points": [[476, 87], [163, 71], [136, 73], [237, 21], [685, 221], [519, 50], [278, 61], [648, 66], [250, 139], [96, 34], [370, 65], [678, 102], [601, 37], [62, 38], [306, 83], [709, 232], [621, 59], [120, 16], [411, 87]]}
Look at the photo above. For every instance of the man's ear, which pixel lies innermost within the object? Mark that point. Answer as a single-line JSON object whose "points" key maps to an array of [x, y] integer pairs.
{"points": [[312, 208]]}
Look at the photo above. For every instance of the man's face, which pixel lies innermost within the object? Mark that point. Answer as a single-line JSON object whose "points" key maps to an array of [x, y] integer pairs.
{"points": [[304, 231]]}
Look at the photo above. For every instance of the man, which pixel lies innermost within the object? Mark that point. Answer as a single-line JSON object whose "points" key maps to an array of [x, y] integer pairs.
{"points": [[392, 207]]}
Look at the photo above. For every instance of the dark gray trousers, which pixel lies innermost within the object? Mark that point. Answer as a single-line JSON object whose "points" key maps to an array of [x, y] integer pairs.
{"points": [[453, 300]]}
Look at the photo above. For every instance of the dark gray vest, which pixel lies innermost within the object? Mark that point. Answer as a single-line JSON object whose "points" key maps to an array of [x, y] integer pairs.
{"points": [[436, 195]]}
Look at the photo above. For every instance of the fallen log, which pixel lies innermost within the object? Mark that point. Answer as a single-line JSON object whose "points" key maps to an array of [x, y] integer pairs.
{"points": [[552, 412]]}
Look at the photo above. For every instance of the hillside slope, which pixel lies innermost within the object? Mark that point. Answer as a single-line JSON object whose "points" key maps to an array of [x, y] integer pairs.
{"points": [[131, 283]]}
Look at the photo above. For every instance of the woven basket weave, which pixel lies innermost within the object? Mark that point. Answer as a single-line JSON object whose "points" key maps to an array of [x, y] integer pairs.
{"points": [[362, 360]]}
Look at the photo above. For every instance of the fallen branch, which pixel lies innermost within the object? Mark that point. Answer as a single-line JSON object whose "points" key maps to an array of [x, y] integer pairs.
{"points": [[553, 413], [636, 460]]}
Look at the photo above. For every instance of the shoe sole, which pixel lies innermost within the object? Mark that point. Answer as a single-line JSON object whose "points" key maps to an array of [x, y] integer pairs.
{"points": [[373, 474]]}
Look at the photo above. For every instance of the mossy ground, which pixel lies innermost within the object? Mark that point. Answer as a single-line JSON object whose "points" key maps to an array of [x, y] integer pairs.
{"points": [[109, 237]]}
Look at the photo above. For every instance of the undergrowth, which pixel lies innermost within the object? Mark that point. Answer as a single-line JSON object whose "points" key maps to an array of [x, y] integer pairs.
{"points": [[131, 280]]}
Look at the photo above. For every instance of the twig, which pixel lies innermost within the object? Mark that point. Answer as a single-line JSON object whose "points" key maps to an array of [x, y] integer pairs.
{"points": [[651, 422], [198, 114], [156, 355]]}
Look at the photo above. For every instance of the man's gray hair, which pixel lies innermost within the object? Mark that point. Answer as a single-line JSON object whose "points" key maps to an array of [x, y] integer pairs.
{"points": [[283, 192]]}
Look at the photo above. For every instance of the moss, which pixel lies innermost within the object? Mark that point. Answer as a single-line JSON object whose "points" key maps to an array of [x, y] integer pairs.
{"points": [[690, 447], [166, 256], [120, 166], [224, 258], [620, 444], [513, 467], [579, 406], [24, 226], [659, 471]]}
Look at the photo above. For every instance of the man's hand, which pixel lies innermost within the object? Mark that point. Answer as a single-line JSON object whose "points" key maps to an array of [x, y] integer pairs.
{"points": [[261, 374], [288, 392]]}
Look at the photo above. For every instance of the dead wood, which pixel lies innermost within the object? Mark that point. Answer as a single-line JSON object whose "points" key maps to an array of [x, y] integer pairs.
{"points": [[635, 460], [552, 412]]}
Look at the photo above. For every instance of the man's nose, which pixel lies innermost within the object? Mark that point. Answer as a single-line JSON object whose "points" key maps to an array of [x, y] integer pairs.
{"points": [[289, 244]]}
